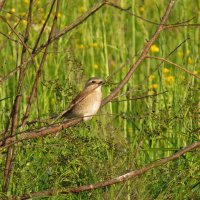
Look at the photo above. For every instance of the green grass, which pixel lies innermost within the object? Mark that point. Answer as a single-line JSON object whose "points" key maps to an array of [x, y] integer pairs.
{"points": [[125, 135]]}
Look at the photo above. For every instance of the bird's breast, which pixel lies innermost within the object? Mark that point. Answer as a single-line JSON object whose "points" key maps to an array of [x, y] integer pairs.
{"points": [[93, 105]]}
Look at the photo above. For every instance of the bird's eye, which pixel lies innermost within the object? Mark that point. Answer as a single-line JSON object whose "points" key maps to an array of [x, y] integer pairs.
{"points": [[93, 82]]}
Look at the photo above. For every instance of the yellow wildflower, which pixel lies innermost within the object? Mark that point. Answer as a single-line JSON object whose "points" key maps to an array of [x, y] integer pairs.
{"points": [[190, 61], [83, 9], [130, 129], [141, 9], [165, 70], [8, 15], [153, 86], [151, 77], [94, 44], [180, 54], [154, 49], [195, 72], [59, 15], [170, 79], [81, 46], [182, 77], [23, 14], [13, 10], [24, 21], [96, 66], [151, 92], [188, 52]]}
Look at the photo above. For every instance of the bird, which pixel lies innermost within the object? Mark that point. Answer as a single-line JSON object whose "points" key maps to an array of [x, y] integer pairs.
{"points": [[86, 103]]}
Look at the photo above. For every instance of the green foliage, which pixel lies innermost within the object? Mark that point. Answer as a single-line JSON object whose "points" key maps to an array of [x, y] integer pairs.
{"points": [[126, 134]]}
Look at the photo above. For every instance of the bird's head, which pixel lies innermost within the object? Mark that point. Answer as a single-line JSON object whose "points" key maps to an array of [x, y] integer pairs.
{"points": [[94, 83]]}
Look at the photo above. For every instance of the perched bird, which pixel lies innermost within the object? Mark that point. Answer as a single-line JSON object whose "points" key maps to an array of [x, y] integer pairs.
{"points": [[86, 103]]}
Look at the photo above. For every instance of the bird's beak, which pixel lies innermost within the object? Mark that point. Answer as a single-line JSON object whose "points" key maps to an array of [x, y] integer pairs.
{"points": [[101, 82]]}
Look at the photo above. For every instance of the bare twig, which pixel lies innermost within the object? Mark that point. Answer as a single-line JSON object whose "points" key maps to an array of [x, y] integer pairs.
{"points": [[119, 179], [38, 74], [142, 97], [43, 27], [4, 98], [174, 64], [181, 25], [127, 10], [23, 42], [9, 38]]}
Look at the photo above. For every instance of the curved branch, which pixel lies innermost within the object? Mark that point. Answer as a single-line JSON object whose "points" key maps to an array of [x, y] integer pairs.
{"points": [[116, 180]]}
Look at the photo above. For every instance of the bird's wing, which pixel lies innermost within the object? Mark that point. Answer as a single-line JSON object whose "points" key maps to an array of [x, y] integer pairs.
{"points": [[82, 95]]}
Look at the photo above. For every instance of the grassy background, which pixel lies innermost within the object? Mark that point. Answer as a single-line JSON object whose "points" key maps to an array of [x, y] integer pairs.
{"points": [[126, 134]]}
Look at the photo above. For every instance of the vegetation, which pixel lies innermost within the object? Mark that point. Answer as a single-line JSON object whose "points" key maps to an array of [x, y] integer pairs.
{"points": [[155, 115]]}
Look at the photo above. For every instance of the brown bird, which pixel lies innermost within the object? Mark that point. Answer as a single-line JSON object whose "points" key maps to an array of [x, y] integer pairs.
{"points": [[86, 103]]}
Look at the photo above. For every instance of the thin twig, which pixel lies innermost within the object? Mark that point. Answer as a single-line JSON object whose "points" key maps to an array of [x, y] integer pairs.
{"points": [[39, 71], [43, 27], [9, 38], [174, 64], [142, 97]]}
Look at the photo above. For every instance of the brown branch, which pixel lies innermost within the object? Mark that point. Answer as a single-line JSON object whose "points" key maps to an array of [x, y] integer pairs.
{"points": [[174, 64], [142, 55], [4, 98], [44, 131], [119, 179], [21, 41], [181, 25], [9, 38], [43, 27], [16, 106], [39, 71], [127, 10], [11, 73]]}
